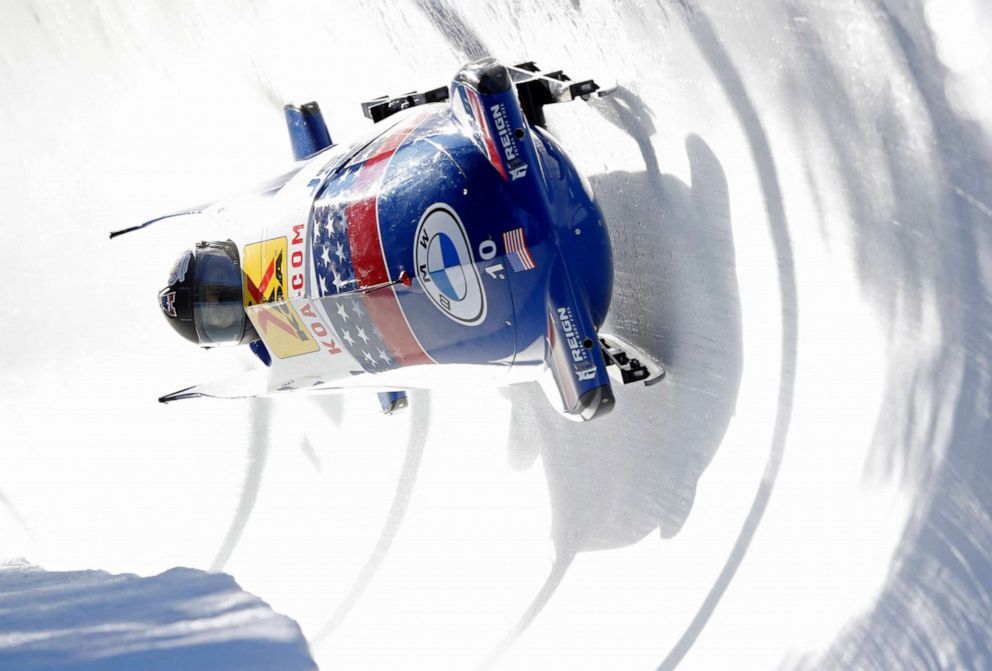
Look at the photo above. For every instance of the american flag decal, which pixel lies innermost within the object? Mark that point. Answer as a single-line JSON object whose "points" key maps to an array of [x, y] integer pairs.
{"points": [[348, 256], [169, 303], [516, 251]]}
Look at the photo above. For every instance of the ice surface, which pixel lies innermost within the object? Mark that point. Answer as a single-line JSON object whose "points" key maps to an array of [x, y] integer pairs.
{"points": [[180, 619], [800, 204]]}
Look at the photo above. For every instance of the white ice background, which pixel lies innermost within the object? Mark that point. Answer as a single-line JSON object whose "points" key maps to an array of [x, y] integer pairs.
{"points": [[800, 203]]}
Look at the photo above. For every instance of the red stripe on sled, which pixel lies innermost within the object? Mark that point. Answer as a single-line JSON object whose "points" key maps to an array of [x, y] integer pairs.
{"points": [[368, 256], [480, 119]]}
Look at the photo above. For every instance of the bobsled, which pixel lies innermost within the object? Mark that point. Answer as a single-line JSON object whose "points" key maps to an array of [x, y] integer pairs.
{"points": [[455, 244]]}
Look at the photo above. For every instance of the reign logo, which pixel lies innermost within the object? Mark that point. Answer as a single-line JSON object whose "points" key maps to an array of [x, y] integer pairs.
{"points": [[518, 168]]}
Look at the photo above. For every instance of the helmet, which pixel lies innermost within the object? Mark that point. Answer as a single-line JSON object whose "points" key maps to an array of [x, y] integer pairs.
{"points": [[203, 301]]}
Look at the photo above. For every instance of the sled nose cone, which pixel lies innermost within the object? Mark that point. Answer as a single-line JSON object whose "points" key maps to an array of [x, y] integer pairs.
{"points": [[487, 76]]}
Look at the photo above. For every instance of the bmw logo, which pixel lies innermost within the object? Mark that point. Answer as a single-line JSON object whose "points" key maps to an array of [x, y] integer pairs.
{"points": [[446, 268]]}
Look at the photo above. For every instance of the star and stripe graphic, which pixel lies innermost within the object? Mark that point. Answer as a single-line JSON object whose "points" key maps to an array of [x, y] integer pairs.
{"points": [[348, 256]]}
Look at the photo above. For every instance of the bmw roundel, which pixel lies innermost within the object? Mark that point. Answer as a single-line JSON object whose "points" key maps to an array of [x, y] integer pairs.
{"points": [[446, 267]]}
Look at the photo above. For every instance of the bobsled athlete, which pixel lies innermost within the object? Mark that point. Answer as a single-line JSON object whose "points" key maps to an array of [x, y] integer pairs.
{"points": [[204, 299]]}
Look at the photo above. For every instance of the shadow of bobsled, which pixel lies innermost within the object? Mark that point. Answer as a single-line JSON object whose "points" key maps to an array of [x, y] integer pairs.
{"points": [[616, 480], [726, 73], [576, 467]]}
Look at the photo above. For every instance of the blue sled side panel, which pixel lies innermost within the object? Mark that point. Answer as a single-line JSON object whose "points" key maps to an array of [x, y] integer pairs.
{"points": [[573, 351], [307, 131], [392, 401], [259, 349]]}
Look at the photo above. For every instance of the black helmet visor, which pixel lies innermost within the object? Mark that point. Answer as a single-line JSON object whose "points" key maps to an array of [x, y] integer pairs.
{"points": [[219, 313]]}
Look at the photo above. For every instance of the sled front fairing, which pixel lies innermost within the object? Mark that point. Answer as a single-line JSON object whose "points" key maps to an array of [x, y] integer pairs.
{"points": [[503, 250]]}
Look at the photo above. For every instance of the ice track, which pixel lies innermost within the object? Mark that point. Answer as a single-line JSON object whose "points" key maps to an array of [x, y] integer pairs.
{"points": [[800, 204]]}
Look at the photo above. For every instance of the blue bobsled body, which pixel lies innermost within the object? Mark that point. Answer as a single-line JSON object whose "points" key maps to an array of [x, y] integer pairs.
{"points": [[459, 235]]}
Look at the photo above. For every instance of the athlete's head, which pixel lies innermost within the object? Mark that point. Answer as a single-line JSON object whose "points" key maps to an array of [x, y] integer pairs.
{"points": [[203, 301]]}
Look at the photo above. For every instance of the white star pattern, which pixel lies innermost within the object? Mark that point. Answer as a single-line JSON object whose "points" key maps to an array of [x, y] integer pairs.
{"points": [[345, 308]]}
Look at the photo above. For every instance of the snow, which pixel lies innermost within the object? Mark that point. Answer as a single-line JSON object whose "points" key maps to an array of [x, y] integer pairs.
{"points": [[799, 202], [183, 618]]}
